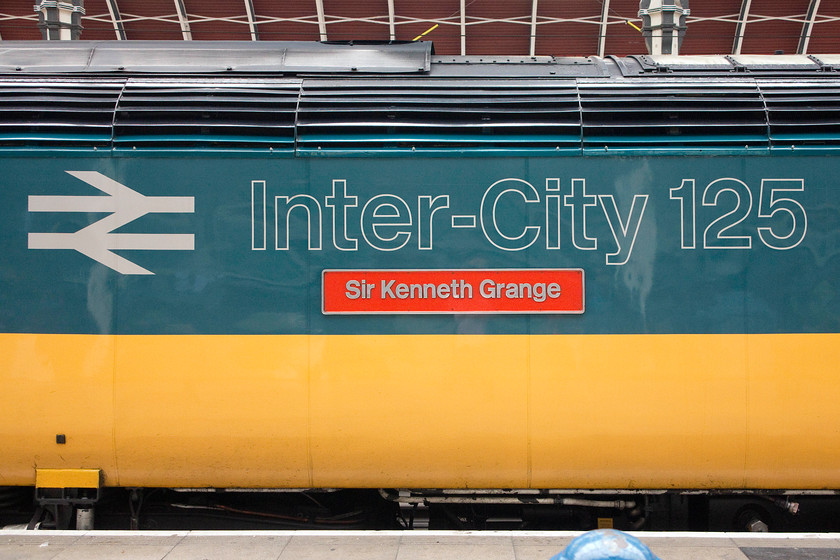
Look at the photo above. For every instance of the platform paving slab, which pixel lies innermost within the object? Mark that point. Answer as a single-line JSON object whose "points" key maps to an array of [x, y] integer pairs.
{"points": [[766, 553], [389, 545], [229, 547]]}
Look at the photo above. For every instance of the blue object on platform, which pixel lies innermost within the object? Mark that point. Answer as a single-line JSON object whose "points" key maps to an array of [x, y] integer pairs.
{"points": [[606, 544]]}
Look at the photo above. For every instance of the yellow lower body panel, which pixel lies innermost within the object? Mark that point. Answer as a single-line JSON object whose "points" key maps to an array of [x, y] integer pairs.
{"points": [[67, 478], [443, 411]]}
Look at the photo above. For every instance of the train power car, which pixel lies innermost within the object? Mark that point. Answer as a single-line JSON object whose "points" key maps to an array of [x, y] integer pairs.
{"points": [[480, 287]]}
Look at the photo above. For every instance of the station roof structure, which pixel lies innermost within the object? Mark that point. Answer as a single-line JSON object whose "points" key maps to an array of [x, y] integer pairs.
{"points": [[457, 27]]}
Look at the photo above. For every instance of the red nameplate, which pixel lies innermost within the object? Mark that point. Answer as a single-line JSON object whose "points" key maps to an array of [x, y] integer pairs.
{"points": [[453, 291]]}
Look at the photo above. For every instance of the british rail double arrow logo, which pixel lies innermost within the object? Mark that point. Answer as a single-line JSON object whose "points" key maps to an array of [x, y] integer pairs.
{"points": [[124, 205]]}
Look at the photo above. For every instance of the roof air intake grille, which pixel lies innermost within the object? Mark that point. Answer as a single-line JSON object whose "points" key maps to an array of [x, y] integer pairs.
{"points": [[425, 115], [803, 114], [56, 113], [220, 114], [673, 115]]}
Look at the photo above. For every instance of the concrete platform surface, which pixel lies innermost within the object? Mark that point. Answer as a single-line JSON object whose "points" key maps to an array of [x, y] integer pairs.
{"points": [[391, 545]]}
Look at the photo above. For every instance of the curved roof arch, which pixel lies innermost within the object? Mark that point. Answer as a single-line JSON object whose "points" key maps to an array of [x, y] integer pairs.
{"points": [[471, 27]]}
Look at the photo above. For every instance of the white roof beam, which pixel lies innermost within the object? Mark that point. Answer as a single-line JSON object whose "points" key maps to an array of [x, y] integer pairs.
{"points": [[116, 19], [322, 19], [533, 50], [186, 32], [740, 28], [808, 27], [252, 19], [463, 28], [602, 29], [392, 32]]}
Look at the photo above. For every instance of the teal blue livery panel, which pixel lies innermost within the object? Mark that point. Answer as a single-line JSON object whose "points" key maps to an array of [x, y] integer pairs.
{"points": [[223, 244]]}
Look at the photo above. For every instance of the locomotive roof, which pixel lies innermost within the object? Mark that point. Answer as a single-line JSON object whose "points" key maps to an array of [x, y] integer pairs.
{"points": [[344, 99], [365, 58]]}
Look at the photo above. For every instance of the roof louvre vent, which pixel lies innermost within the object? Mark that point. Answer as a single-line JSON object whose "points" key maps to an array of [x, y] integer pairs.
{"points": [[195, 114], [803, 114], [57, 113], [423, 115], [674, 115]]}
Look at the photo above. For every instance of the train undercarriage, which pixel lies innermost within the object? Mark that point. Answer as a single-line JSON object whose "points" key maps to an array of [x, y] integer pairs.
{"points": [[542, 510]]}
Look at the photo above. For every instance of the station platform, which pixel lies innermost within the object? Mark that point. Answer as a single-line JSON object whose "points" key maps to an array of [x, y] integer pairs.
{"points": [[391, 545]]}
